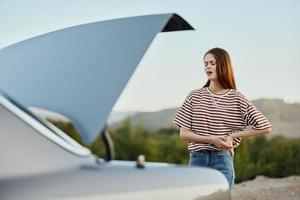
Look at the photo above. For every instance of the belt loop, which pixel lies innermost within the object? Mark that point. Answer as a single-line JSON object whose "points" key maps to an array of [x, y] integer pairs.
{"points": [[206, 158], [231, 152]]}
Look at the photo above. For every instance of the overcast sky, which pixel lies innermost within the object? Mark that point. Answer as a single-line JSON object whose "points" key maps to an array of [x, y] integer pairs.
{"points": [[262, 38]]}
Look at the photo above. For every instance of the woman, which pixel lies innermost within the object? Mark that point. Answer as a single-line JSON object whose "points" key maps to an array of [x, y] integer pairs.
{"points": [[213, 118]]}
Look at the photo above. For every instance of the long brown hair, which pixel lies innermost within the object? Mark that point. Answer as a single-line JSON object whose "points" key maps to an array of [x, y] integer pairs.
{"points": [[224, 68]]}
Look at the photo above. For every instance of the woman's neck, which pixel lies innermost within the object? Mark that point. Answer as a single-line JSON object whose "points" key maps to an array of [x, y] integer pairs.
{"points": [[216, 87]]}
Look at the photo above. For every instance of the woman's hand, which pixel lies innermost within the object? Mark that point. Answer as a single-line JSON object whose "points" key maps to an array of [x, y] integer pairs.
{"points": [[228, 139], [224, 142]]}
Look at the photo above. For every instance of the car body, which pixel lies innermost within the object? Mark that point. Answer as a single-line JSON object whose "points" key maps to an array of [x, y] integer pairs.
{"points": [[80, 72]]}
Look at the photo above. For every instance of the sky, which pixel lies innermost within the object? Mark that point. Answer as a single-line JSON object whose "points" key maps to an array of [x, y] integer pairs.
{"points": [[261, 36]]}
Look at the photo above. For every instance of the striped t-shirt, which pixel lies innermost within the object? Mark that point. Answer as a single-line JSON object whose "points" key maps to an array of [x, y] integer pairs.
{"points": [[206, 113]]}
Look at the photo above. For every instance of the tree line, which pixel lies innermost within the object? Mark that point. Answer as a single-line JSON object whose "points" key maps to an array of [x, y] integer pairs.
{"points": [[274, 157]]}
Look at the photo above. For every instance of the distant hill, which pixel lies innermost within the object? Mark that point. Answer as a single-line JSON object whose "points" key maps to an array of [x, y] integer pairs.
{"points": [[117, 116], [152, 120], [284, 117]]}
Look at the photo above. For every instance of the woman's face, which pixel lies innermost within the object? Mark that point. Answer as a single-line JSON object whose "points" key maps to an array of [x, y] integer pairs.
{"points": [[210, 67]]}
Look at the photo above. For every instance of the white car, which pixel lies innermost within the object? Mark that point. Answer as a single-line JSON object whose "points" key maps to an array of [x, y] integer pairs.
{"points": [[80, 72]]}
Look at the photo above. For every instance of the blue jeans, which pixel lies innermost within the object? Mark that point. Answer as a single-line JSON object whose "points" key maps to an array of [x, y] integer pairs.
{"points": [[219, 160]]}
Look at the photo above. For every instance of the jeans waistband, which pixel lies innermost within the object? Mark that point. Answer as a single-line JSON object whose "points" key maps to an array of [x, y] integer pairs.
{"points": [[213, 151]]}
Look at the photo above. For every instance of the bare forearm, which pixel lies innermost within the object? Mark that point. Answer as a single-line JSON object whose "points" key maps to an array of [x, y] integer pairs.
{"points": [[250, 132], [189, 136]]}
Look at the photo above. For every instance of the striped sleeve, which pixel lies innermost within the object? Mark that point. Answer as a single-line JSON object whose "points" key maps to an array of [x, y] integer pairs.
{"points": [[253, 117], [236, 142], [183, 118]]}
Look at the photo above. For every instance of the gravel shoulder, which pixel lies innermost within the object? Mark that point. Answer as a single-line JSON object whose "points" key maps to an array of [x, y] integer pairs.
{"points": [[264, 188]]}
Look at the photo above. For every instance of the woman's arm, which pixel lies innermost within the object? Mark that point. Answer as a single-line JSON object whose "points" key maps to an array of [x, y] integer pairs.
{"points": [[250, 132], [252, 117], [189, 136], [245, 133]]}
